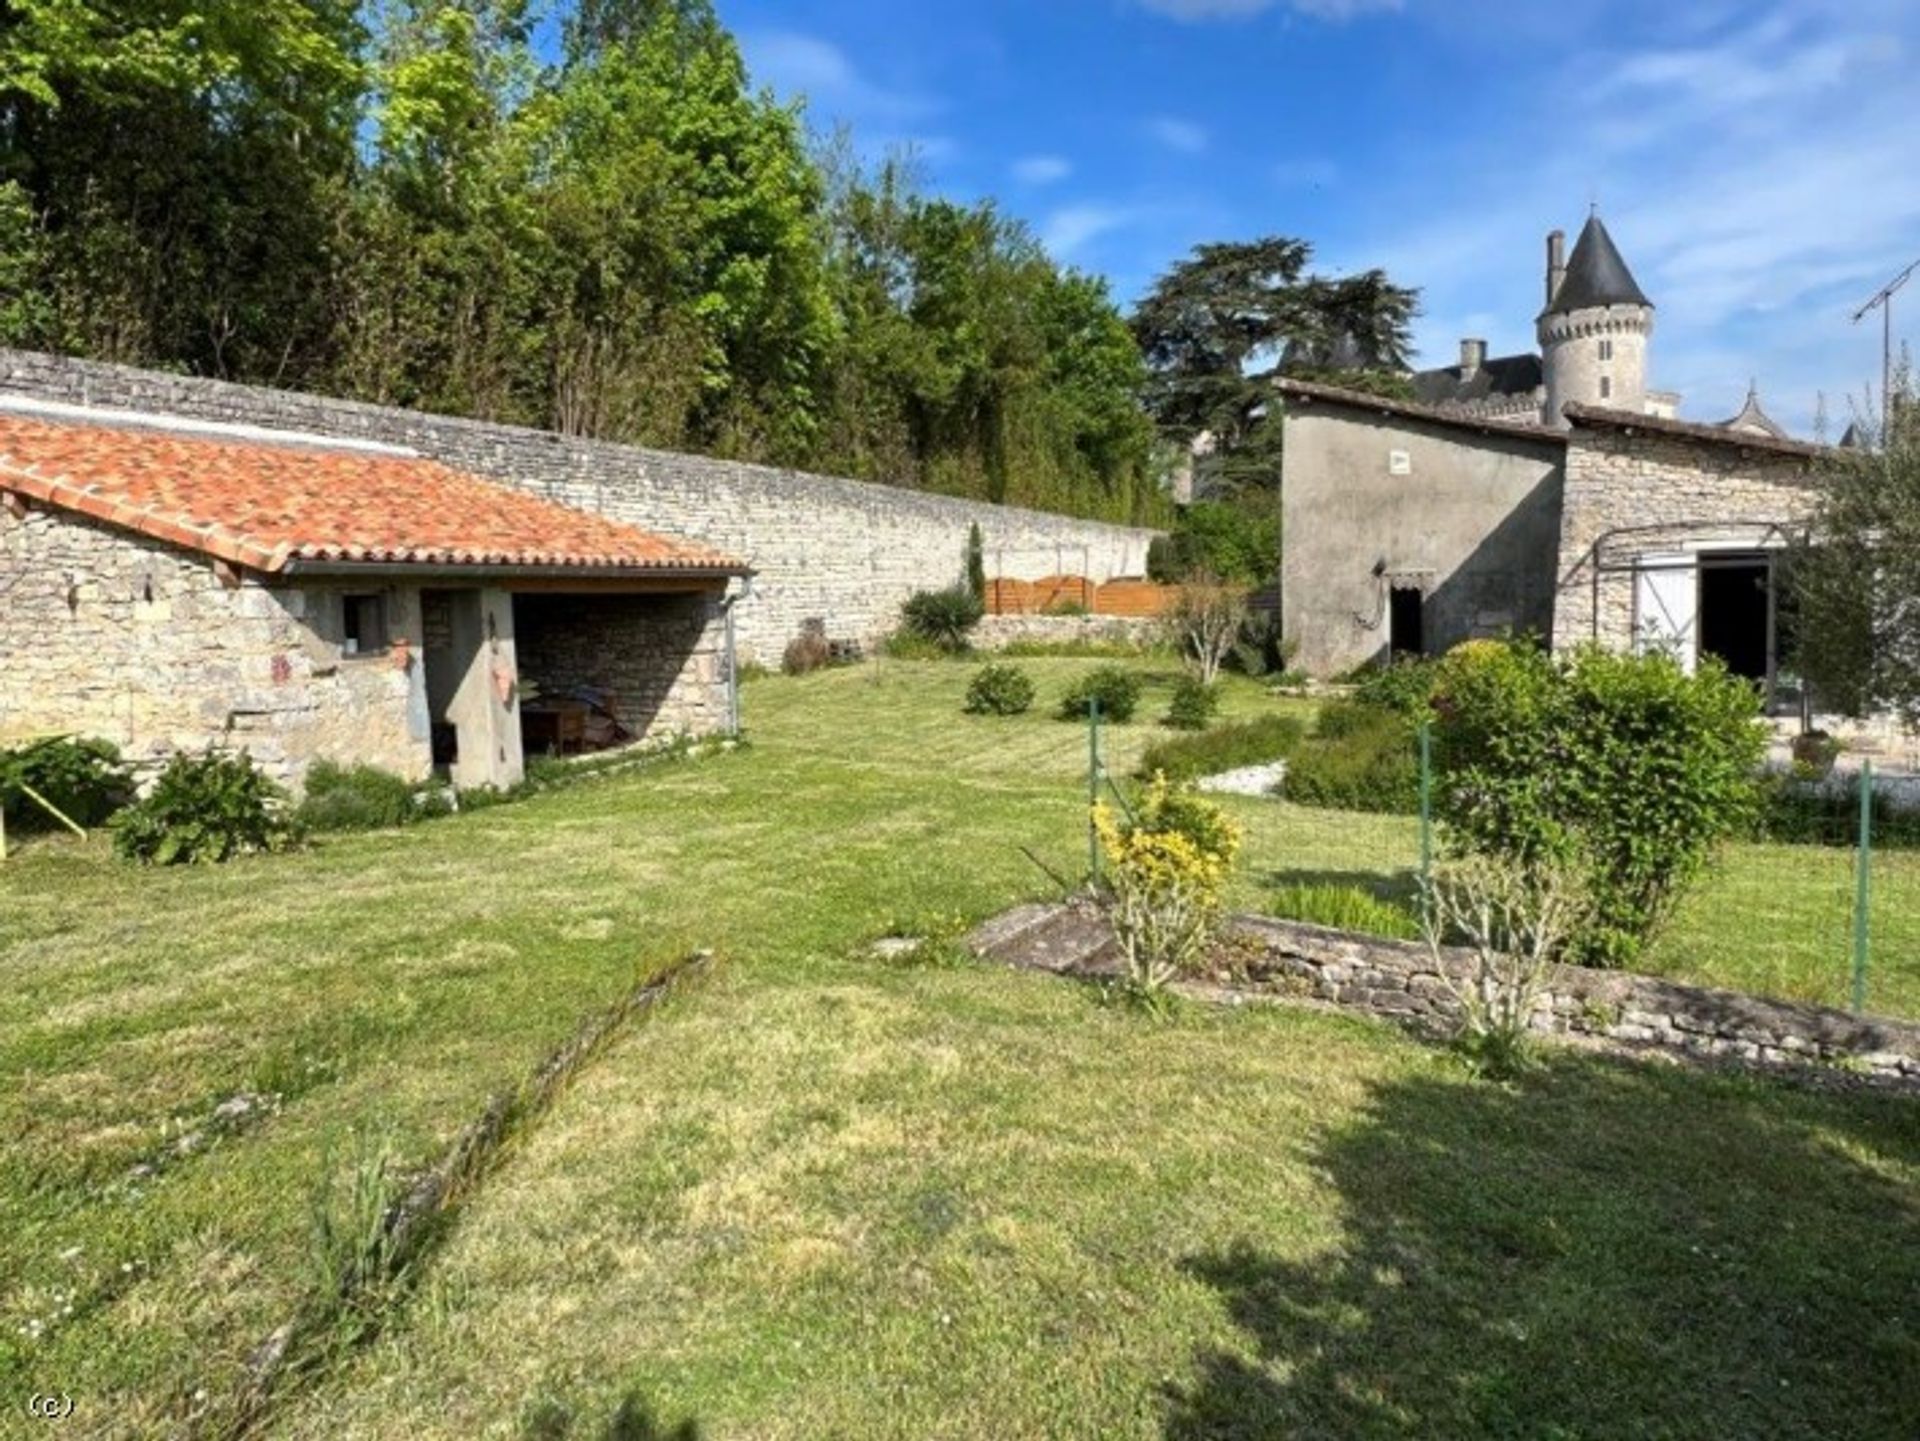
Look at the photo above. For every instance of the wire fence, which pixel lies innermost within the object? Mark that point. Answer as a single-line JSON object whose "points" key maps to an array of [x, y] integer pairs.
{"points": [[1820, 905]]}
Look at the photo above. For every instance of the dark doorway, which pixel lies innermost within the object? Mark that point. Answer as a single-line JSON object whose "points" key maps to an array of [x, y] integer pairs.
{"points": [[1406, 621], [1735, 613]]}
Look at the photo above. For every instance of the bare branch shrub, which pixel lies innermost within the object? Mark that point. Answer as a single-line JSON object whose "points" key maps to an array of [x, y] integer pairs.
{"points": [[1204, 623], [1514, 919]]}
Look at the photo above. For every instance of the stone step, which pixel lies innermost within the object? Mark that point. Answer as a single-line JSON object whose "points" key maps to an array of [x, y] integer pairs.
{"points": [[1068, 939]]}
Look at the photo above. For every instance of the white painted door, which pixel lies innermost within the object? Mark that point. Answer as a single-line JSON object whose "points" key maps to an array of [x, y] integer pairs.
{"points": [[1666, 604]]}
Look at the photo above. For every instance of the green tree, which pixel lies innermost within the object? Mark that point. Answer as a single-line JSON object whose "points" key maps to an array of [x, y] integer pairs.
{"points": [[1855, 578], [1219, 326]]}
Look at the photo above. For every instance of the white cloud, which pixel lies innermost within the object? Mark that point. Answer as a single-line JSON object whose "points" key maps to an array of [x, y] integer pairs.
{"points": [[1759, 181], [1042, 169], [1197, 10], [806, 65], [1072, 227], [1181, 135]]}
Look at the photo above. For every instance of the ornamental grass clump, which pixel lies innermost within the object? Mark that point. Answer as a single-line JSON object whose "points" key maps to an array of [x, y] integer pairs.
{"points": [[1166, 870]]}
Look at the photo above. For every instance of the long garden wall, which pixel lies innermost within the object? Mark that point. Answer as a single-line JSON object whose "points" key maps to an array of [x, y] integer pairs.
{"points": [[842, 551]]}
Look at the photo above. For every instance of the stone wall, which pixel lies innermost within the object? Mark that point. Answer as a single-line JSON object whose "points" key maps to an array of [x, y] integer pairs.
{"points": [[111, 635], [842, 551], [661, 657], [1399, 979], [997, 632], [1646, 493]]}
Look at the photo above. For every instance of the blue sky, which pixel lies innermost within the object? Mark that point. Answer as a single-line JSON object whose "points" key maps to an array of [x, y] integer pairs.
{"points": [[1759, 164]]}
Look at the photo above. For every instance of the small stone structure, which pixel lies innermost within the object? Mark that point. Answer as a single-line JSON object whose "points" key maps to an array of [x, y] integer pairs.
{"points": [[1398, 980], [846, 552]]}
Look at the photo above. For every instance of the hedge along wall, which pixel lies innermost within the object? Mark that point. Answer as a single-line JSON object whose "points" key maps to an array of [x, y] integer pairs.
{"points": [[844, 552]]}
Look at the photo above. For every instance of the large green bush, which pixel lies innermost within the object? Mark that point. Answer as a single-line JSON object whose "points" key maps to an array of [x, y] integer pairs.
{"points": [[1000, 690], [1117, 690], [1223, 748], [355, 798], [81, 776], [1360, 758], [1233, 541], [205, 808], [1624, 765], [945, 617]]}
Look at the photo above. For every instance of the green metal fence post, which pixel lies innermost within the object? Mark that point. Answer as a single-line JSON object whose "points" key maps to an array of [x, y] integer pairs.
{"points": [[1093, 785], [1426, 803], [1862, 887]]}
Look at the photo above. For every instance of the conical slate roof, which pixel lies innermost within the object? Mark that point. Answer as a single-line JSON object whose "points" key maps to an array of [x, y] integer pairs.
{"points": [[1596, 275]]}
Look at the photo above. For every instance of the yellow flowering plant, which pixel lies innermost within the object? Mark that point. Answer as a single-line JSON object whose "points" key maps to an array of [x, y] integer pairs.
{"points": [[1166, 871]]}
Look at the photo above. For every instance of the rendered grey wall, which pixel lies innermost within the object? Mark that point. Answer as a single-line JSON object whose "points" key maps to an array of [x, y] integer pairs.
{"points": [[843, 551], [1475, 523]]}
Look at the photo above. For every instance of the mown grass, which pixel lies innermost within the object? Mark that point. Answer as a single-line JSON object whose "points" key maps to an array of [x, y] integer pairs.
{"points": [[825, 1196]]}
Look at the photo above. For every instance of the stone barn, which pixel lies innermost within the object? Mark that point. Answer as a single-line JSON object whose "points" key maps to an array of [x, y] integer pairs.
{"points": [[171, 585]]}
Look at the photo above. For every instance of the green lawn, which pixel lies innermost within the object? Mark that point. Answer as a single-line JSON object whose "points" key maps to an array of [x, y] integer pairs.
{"points": [[822, 1195]]}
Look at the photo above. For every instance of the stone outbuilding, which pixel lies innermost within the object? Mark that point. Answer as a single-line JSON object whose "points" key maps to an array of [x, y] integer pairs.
{"points": [[1412, 528], [170, 585]]}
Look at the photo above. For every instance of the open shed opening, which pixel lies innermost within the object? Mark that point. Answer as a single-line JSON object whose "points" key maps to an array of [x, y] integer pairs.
{"points": [[1406, 621], [1736, 613]]}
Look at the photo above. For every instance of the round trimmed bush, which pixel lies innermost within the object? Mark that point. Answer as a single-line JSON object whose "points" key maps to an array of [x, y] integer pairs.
{"points": [[1000, 690], [1117, 690], [1193, 706]]}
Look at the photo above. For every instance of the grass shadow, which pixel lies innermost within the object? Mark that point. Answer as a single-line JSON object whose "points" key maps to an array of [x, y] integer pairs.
{"points": [[1607, 1250]]}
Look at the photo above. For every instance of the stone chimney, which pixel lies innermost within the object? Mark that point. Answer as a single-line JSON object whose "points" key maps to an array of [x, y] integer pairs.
{"points": [[1556, 262], [1473, 355]]}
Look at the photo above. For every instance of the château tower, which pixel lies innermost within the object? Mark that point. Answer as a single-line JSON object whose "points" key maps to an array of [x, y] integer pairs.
{"points": [[1594, 331]]}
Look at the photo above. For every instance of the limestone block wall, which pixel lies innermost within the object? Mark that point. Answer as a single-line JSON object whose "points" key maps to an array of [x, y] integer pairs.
{"points": [[997, 632], [103, 633], [662, 657], [842, 551], [1399, 979], [1645, 493]]}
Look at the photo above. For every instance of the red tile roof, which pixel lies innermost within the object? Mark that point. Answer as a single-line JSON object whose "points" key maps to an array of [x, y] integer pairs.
{"points": [[276, 507]]}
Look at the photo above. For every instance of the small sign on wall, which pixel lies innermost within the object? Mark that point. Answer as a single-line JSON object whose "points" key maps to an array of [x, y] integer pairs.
{"points": [[1399, 463]]}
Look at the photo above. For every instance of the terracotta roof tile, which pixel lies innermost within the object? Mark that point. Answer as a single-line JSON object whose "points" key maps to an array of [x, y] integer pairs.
{"points": [[269, 506]]}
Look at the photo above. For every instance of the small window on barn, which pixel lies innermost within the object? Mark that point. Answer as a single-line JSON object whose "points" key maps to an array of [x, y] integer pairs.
{"points": [[363, 624]]}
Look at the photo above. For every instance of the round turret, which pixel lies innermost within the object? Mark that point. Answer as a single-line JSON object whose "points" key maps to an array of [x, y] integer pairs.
{"points": [[1594, 332]]}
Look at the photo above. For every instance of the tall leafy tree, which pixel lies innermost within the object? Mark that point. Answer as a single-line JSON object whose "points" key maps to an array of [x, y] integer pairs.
{"points": [[1220, 325]]}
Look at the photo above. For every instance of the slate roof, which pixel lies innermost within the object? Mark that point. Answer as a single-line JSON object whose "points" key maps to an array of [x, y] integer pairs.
{"points": [[1596, 274], [277, 508], [1504, 375], [1755, 420]]}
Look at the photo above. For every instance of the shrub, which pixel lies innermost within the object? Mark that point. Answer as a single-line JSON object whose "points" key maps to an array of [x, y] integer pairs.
{"points": [[1193, 705], [1166, 872], [83, 778], [808, 651], [356, 798], [944, 617], [976, 564], [205, 808], [1624, 765], [1794, 813], [1261, 647], [1000, 690], [1405, 686], [1204, 621], [1224, 748], [1117, 690], [1345, 908], [1360, 758], [1515, 919]]}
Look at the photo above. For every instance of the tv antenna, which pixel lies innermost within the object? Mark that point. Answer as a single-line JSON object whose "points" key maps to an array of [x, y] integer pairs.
{"points": [[1883, 301]]}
